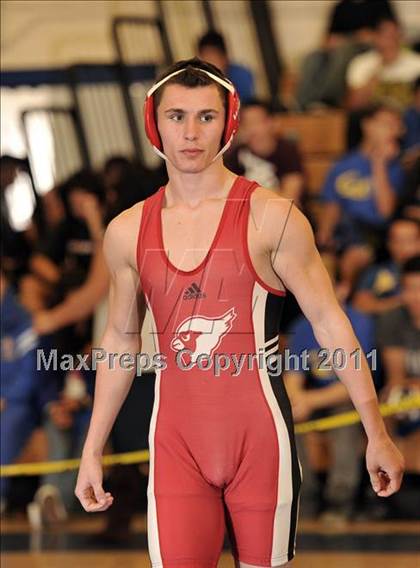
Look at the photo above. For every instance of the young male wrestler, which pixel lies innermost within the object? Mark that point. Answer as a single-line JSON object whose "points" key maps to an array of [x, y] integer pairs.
{"points": [[211, 255]]}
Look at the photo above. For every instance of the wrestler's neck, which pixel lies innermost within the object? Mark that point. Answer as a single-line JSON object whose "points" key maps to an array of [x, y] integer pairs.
{"points": [[191, 189]]}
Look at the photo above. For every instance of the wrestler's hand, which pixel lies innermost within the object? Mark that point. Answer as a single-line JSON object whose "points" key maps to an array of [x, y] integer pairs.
{"points": [[89, 488], [385, 465]]}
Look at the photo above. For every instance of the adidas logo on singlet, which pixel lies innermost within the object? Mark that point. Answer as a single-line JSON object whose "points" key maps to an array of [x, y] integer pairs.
{"points": [[193, 292]]}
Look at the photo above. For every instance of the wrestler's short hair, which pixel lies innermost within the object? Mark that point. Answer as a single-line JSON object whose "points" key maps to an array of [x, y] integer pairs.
{"points": [[191, 77]]}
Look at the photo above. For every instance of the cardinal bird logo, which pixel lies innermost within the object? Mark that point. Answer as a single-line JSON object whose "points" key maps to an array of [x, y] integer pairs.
{"points": [[201, 334]]}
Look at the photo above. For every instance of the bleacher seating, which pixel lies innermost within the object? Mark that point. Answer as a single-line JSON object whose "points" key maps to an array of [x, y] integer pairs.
{"points": [[321, 139]]}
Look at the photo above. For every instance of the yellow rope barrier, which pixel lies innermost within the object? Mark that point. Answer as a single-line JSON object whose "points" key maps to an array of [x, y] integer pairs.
{"points": [[338, 421], [411, 402]]}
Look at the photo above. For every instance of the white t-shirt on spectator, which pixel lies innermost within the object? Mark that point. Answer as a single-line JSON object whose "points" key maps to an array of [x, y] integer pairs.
{"points": [[405, 69]]}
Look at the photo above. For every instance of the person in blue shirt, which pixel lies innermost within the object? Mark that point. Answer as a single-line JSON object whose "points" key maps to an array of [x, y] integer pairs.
{"points": [[25, 391], [398, 334], [212, 48], [378, 288], [316, 373], [411, 139], [360, 194]]}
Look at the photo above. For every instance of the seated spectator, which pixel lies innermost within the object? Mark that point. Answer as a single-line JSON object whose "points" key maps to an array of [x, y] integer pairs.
{"points": [[66, 420], [53, 207], [127, 183], [273, 162], [409, 202], [379, 287], [360, 194], [349, 33], [114, 170], [411, 139], [212, 48], [25, 391], [386, 72], [132, 184], [265, 157], [16, 246], [63, 259], [330, 470], [399, 339]]}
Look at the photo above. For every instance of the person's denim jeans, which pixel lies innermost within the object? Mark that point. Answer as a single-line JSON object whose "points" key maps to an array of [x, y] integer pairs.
{"points": [[66, 444]]}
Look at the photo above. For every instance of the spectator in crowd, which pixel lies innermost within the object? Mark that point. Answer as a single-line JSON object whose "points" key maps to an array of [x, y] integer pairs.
{"points": [[66, 420], [411, 139], [114, 170], [274, 162], [399, 339], [360, 194], [264, 156], [349, 33], [70, 255], [409, 202], [330, 470], [126, 183], [53, 208], [25, 392], [16, 246], [386, 72], [212, 48], [379, 287]]}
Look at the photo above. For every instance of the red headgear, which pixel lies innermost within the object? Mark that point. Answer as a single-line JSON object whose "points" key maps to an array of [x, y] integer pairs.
{"points": [[232, 114]]}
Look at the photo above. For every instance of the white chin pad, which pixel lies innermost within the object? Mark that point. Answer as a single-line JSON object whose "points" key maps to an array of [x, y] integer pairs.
{"points": [[159, 153]]}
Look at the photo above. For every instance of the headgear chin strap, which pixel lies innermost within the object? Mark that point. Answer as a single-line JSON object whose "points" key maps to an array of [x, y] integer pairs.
{"points": [[232, 113]]}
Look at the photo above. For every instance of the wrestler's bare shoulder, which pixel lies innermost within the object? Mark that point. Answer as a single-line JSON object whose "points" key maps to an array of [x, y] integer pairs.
{"points": [[262, 197], [275, 219], [268, 207], [122, 233]]}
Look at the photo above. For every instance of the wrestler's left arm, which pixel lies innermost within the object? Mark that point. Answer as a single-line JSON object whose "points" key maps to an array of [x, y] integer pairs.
{"points": [[297, 262]]}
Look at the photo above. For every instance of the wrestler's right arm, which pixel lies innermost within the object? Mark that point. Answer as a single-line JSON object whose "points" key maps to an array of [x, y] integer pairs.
{"points": [[122, 335]]}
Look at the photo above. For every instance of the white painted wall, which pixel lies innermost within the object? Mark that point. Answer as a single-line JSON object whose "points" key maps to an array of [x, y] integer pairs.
{"points": [[56, 33], [45, 33]]}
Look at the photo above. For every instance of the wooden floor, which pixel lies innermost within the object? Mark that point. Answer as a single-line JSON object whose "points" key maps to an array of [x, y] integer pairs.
{"points": [[140, 559], [35, 557]]}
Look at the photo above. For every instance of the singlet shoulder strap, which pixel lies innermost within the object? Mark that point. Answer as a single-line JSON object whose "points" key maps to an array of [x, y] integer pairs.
{"points": [[148, 230], [237, 202]]}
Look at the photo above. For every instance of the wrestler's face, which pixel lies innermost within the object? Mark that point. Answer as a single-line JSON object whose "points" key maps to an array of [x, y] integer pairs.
{"points": [[191, 123]]}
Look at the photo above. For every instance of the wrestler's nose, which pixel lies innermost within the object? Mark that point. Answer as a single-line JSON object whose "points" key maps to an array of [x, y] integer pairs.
{"points": [[191, 127]]}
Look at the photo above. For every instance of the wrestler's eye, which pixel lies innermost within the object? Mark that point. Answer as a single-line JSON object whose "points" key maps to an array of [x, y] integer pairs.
{"points": [[207, 117], [176, 117], [185, 336]]}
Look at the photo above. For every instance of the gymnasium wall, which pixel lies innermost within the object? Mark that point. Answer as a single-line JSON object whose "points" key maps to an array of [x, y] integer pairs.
{"points": [[45, 33]]}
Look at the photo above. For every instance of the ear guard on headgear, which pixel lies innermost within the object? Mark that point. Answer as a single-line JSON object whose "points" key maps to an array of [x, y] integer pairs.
{"points": [[232, 113]]}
